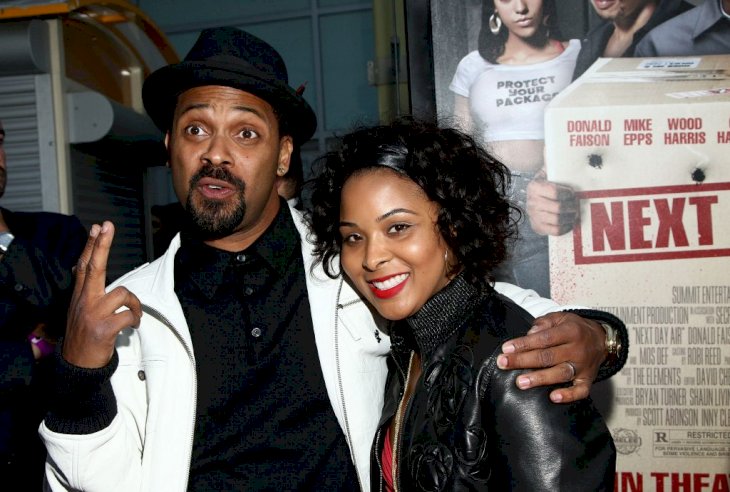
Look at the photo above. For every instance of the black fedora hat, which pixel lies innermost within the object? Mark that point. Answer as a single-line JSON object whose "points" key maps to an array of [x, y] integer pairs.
{"points": [[234, 58]]}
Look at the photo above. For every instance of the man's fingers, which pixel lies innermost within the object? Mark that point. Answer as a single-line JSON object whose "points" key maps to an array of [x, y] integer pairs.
{"points": [[545, 322], [125, 319], [92, 315], [531, 359], [544, 333], [83, 261], [561, 373], [579, 391], [563, 347], [96, 267], [94, 324], [122, 297]]}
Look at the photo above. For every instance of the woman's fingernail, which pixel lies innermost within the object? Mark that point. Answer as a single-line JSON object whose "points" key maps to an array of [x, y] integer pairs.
{"points": [[508, 348], [523, 382]]}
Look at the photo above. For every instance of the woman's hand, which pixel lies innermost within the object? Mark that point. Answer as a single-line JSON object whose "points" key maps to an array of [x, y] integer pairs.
{"points": [[567, 346]]}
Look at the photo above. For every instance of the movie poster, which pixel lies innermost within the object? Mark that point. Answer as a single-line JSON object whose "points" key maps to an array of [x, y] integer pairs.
{"points": [[645, 143]]}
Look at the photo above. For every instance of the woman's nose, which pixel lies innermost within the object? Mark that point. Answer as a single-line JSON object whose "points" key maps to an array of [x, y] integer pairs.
{"points": [[376, 255]]}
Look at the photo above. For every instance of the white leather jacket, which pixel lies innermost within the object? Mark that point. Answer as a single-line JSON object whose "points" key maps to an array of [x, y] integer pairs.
{"points": [[148, 445]]}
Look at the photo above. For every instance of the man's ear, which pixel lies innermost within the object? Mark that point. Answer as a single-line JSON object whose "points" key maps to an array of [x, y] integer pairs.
{"points": [[167, 147], [286, 147]]}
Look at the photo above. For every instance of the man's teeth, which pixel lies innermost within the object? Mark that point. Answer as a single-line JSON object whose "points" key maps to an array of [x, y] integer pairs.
{"points": [[215, 187], [391, 282]]}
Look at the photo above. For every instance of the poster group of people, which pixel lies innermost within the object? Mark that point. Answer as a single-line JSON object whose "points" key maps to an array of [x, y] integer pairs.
{"points": [[501, 91]]}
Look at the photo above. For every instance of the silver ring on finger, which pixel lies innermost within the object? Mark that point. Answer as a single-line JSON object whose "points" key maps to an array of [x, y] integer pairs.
{"points": [[573, 371]]}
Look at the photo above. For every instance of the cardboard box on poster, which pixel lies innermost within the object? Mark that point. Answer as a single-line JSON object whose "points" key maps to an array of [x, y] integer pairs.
{"points": [[646, 145]]}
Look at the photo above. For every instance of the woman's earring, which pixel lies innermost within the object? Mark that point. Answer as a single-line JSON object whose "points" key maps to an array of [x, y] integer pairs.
{"points": [[448, 269], [495, 23]]}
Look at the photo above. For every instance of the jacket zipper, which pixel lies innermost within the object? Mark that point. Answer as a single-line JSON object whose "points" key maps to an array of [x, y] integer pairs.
{"points": [[378, 459], [399, 416], [341, 386], [162, 318]]}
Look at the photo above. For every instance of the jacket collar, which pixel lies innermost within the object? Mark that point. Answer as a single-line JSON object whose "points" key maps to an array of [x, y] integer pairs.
{"points": [[708, 14], [665, 10]]}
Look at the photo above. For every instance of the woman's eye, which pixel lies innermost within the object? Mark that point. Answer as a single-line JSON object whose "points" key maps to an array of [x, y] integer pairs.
{"points": [[398, 228], [351, 238]]}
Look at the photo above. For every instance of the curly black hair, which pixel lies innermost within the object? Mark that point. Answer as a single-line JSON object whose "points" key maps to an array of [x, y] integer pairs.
{"points": [[491, 46], [475, 216]]}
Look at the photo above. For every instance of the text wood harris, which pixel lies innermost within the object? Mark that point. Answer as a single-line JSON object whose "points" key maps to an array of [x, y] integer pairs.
{"points": [[678, 130]]}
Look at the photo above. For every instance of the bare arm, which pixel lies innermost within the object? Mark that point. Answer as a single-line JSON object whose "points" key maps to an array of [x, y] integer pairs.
{"points": [[462, 115]]}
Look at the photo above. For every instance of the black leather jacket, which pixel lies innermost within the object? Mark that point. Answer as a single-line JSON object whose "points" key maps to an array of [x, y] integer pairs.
{"points": [[467, 426]]}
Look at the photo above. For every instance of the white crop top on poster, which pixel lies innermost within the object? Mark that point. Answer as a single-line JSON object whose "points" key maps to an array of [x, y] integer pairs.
{"points": [[507, 102]]}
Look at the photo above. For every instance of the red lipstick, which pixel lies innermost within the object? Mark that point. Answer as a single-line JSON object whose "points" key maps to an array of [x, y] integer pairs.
{"points": [[387, 293]]}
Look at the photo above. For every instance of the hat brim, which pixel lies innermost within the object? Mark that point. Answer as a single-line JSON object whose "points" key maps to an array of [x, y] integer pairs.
{"points": [[162, 88]]}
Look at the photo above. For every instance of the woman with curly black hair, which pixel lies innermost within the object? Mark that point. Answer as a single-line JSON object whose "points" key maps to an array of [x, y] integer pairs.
{"points": [[419, 219], [501, 91]]}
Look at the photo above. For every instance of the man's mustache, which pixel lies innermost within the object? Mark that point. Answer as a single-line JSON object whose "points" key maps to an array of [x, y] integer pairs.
{"points": [[220, 173]]}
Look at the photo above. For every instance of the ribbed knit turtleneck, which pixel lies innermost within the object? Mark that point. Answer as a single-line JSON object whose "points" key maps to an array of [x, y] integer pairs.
{"points": [[441, 316]]}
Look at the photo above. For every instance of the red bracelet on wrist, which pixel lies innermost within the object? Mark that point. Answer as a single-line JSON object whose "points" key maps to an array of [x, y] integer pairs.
{"points": [[44, 347]]}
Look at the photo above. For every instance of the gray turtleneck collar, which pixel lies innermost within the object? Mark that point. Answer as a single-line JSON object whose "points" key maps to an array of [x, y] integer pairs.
{"points": [[443, 314]]}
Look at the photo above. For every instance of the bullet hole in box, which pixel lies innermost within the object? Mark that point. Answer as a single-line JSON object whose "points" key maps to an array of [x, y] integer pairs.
{"points": [[595, 161], [698, 175]]}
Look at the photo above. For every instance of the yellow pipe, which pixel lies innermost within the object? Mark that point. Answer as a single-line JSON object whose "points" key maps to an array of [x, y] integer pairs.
{"points": [[389, 25]]}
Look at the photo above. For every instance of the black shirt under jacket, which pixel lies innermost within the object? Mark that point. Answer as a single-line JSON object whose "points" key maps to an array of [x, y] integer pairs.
{"points": [[264, 420]]}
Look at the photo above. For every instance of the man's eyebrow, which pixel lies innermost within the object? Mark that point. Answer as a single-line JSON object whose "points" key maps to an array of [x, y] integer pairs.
{"points": [[249, 109], [245, 109]]}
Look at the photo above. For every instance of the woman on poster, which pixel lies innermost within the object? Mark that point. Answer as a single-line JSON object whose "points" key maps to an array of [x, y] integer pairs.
{"points": [[501, 91]]}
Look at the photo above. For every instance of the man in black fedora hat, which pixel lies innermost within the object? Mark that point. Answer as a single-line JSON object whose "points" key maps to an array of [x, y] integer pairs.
{"points": [[231, 363]]}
